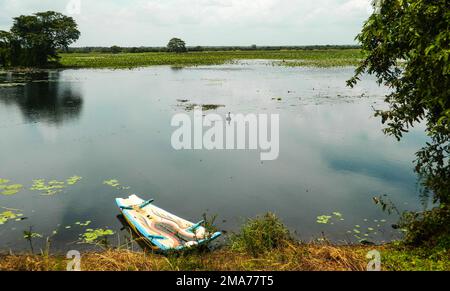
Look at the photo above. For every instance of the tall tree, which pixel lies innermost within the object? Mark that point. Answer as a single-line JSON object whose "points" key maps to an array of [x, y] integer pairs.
{"points": [[176, 45], [5, 50], [407, 47], [35, 39]]}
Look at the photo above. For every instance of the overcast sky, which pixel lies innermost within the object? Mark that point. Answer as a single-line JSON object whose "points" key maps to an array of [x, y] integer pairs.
{"points": [[204, 22]]}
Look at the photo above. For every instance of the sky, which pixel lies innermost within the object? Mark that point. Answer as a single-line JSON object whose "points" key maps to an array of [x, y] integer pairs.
{"points": [[204, 22]]}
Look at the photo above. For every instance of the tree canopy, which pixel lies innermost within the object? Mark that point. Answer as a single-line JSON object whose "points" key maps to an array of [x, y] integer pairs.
{"points": [[407, 45], [4, 48], [176, 45], [35, 39]]}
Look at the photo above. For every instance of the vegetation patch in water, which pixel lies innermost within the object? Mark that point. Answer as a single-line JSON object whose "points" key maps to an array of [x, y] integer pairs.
{"points": [[87, 223], [96, 235], [115, 184], [204, 107], [73, 180], [364, 234], [323, 219], [10, 215], [53, 187], [9, 189]]}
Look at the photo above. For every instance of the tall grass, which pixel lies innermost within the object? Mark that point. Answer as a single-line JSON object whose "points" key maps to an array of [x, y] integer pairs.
{"points": [[261, 235]]}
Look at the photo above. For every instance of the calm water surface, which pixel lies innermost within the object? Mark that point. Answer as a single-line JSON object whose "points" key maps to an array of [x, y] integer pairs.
{"points": [[115, 124]]}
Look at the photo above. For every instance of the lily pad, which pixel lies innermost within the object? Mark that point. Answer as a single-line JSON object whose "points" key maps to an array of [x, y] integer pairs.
{"points": [[10, 215], [11, 189], [83, 223], [94, 235], [4, 181], [73, 180], [53, 187], [112, 183], [323, 219]]}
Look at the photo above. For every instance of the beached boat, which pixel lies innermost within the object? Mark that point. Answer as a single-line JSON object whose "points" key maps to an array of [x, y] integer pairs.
{"points": [[161, 229]]}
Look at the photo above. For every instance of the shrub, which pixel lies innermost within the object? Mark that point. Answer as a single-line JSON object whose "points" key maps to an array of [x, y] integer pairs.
{"points": [[261, 235], [429, 227]]}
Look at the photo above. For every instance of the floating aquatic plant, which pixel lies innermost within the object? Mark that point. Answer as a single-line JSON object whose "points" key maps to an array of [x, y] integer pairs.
{"points": [[361, 232], [327, 219], [323, 219], [73, 180], [113, 183], [3, 181], [53, 187], [10, 215], [95, 235], [10, 189], [83, 223]]}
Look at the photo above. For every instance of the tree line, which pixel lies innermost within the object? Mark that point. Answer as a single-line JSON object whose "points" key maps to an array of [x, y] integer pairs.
{"points": [[156, 49]]}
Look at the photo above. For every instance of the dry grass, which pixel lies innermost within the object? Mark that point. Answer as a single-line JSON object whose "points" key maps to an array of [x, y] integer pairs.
{"points": [[301, 257]]}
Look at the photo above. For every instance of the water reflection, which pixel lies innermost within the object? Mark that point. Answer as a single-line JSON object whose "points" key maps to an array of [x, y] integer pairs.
{"points": [[130, 236], [41, 97]]}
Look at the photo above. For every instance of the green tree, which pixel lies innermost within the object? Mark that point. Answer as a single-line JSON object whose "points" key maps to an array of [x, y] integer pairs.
{"points": [[116, 49], [35, 39], [176, 45], [5, 49], [406, 46]]}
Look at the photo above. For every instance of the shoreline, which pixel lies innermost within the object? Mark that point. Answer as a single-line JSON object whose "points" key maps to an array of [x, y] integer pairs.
{"points": [[295, 257], [323, 58]]}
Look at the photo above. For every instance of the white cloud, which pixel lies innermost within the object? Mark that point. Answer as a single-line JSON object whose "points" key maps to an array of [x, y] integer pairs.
{"points": [[206, 22]]}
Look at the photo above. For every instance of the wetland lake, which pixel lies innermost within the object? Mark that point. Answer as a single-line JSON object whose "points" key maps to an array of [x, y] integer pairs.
{"points": [[71, 141]]}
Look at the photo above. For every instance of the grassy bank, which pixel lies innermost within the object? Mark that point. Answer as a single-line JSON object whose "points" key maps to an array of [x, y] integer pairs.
{"points": [[294, 257], [304, 257], [262, 244], [317, 58]]}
